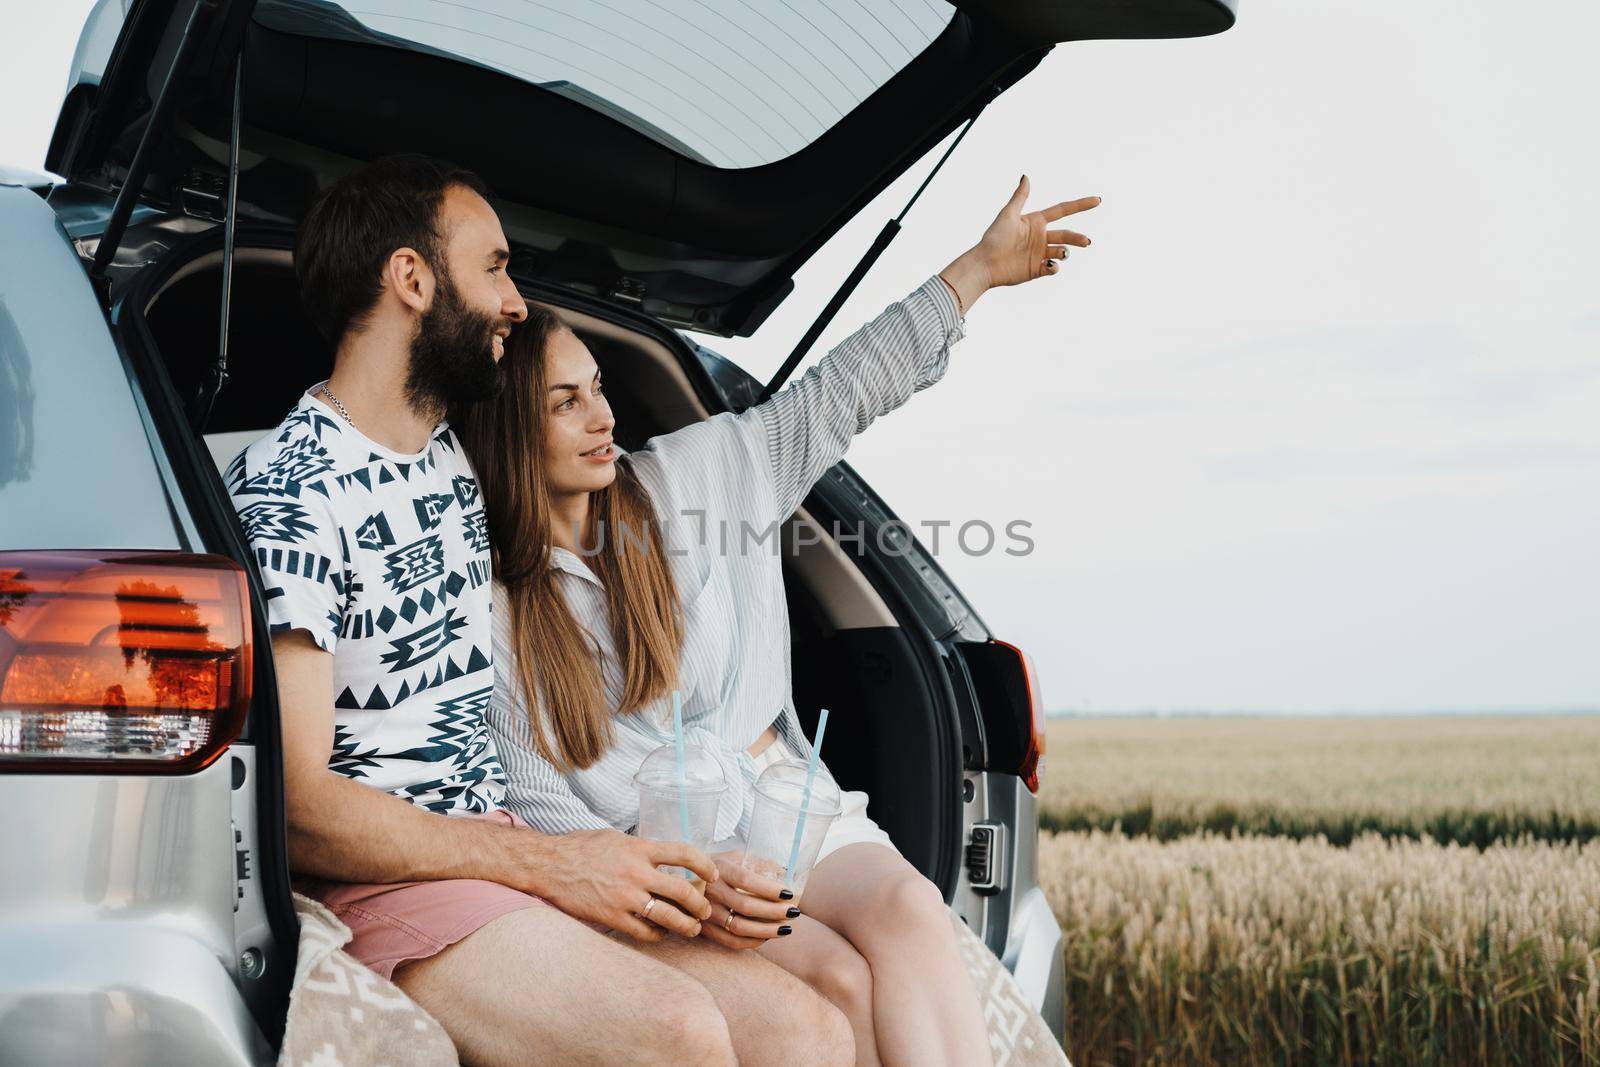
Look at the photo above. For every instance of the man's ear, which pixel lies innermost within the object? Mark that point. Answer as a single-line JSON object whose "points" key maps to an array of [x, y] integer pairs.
{"points": [[407, 276]]}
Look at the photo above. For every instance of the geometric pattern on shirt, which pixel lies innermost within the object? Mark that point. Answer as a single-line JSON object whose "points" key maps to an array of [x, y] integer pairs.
{"points": [[448, 589], [296, 464], [374, 533], [390, 471], [380, 699], [476, 528], [423, 644], [318, 568], [413, 639], [310, 417], [276, 520], [431, 507], [420, 561], [459, 726], [461, 740], [349, 757], [456, 792]]}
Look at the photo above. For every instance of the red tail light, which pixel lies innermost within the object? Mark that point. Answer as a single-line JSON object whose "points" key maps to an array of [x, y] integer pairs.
{"points": [[132, 661], [1013, 713], [1032, 765]]}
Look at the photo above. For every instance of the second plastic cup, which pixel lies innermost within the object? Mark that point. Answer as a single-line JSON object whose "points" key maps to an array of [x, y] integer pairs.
{"points": [[780, 796], [687, 812]]}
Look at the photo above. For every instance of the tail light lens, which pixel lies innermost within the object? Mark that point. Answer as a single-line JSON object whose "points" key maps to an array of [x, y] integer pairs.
{"points": [[1013, 714], [1032, 763], [132, 661]]}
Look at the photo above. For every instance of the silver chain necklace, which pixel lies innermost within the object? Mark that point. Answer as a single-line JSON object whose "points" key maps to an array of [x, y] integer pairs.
{"points": [[335, 400]]}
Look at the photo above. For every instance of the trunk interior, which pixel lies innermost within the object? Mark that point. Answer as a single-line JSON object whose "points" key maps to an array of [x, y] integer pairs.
{"points": [[850, 651]]}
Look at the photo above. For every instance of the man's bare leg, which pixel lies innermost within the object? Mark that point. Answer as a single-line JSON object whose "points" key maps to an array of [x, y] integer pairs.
{"points": [[538, 987], [775, 1019]]}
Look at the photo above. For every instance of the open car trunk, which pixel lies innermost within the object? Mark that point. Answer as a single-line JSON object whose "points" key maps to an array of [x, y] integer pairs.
{"points": [[684, 160], [850, 650]]}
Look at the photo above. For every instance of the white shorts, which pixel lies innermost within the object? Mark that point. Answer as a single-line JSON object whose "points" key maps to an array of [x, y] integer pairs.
{"points": [[852, 827]]}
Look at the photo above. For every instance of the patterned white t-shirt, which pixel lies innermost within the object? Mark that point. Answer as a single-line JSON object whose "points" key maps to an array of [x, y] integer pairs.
{"points": [[383, 558]]}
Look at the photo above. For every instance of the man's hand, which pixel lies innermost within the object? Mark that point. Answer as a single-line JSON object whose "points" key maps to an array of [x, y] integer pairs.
{"points": [[611, 878], [759, 913], [1016, 247]]}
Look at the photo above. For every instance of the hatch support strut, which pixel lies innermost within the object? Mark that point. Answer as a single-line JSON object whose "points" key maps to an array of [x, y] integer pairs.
{"points": [[211, 384], [890, 230], [154, 129]]}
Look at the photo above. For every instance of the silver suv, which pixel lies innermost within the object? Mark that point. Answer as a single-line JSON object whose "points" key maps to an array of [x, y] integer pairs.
{"points": [[658, 175]]}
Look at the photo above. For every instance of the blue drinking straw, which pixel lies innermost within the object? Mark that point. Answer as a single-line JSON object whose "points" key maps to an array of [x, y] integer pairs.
{"points": [[805, 799], [683, 770]]}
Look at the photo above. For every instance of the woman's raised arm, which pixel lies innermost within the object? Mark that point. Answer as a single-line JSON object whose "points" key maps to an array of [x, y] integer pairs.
{"points": [[760, 464], [807, 427]]}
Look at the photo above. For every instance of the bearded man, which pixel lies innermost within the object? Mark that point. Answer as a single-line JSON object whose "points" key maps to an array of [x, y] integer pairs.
{"points": [[367, 526]]}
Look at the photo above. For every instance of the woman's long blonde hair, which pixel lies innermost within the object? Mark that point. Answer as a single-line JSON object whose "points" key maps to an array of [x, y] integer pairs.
{"points": [[558, 663]]}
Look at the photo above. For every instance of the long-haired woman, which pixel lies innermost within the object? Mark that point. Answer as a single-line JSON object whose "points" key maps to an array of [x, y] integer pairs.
{"points": [[622, 577]]}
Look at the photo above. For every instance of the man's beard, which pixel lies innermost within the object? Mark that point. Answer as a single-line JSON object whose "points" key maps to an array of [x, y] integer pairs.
{"points": [[452, 356]]}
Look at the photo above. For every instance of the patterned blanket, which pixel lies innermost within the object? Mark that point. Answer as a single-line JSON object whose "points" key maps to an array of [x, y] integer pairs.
{"points": [[343, 1015]]}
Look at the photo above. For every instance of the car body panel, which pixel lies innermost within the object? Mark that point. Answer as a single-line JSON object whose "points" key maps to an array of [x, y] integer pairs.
{"points": [[1034, 956], [128, 995], [117, 940]]}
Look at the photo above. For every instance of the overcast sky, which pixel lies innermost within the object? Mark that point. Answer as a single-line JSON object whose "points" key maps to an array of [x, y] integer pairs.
{"points": [[1315, 424]]}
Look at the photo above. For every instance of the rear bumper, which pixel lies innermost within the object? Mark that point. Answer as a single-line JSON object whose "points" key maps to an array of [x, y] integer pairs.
{"points": [[117, 924], [1034, 955], [111, 993]]}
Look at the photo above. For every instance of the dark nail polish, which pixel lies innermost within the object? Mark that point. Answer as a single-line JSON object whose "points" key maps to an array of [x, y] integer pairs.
{"points": [[785, 931], [794, 913], [785, 894]]}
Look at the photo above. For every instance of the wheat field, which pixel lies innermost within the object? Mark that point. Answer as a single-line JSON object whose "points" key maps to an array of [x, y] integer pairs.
{"points": [[1386, 891], [1259, 950], [1470, 779]]}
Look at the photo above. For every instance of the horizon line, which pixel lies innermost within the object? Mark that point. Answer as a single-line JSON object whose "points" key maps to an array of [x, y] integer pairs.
{"points": [[1325, 713]]}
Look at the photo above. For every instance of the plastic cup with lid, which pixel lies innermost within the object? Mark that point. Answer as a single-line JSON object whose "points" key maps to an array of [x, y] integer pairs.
{"points": [[680, 805], [776, 820]]}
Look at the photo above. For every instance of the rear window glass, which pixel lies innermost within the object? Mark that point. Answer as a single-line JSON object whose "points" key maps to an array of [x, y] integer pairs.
{"points": [[731, 83]]}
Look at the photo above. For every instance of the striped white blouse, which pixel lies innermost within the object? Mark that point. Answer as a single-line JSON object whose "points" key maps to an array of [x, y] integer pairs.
{"points": [[710, 482]]}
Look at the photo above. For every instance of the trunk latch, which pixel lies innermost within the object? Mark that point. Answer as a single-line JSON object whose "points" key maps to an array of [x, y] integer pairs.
{"points": [[629, 291]]}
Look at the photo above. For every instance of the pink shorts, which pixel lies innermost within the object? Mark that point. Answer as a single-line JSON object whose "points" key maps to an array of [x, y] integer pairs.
{"points": [[397, 922]]}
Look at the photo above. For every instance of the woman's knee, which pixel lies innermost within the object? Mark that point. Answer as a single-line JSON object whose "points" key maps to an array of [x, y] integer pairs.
{"points": [[908, 904]]}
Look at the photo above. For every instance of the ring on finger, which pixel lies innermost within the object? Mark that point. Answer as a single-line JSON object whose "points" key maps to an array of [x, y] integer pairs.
{"points": [[727, 924], [645, 914]]}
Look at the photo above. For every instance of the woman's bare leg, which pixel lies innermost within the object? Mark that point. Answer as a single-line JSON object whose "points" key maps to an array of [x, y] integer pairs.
{"points": [[924, 1010], [831, 965]]}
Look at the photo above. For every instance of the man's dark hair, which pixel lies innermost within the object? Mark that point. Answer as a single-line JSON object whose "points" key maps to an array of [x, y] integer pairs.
{"points": [[356, 224]]}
